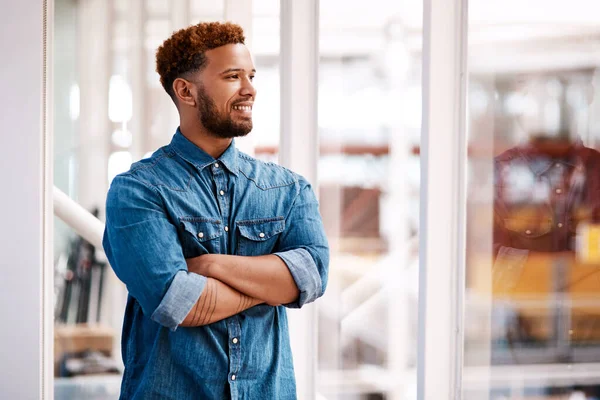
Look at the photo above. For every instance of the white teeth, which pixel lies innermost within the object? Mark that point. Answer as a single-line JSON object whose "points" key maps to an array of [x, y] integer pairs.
{"points": [[244, 108]]}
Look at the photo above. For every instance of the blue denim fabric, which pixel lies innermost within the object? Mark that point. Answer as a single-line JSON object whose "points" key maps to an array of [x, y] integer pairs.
{"points": [[176, 205]]}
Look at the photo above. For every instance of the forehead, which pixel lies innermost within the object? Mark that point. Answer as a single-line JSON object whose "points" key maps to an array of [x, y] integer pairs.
{"points": [[230, 56]]}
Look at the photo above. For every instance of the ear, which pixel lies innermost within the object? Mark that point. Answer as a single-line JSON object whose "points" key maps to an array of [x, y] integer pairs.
{"points": [[183, 92]]}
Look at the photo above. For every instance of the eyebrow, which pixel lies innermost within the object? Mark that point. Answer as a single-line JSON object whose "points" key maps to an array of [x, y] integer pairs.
{"points": [[235, 70]]}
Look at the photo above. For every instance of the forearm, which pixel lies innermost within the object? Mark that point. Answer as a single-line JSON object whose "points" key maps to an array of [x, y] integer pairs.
{"points": [[262, 277], [218, 301]]}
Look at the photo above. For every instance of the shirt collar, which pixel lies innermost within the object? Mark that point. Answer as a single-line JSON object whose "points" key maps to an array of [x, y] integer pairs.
{"points": [[199, 158], [540, 163]]}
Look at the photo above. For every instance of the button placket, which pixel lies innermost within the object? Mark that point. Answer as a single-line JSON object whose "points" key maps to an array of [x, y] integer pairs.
{"points": [[234, 330], [220, 178]]}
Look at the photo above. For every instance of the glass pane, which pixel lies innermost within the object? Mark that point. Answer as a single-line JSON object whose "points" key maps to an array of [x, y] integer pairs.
{"points": [[533, 276], [88, 299], [369, 124], [87, 362]]}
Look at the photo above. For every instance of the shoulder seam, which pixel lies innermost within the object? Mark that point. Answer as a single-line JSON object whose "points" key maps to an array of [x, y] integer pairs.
{"points": [[158, 158], [132, 176], [164, 154], [269, 188]]}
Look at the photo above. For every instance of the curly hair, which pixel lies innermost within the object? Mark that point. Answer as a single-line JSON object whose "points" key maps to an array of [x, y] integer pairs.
{"points": [[184, 51]]}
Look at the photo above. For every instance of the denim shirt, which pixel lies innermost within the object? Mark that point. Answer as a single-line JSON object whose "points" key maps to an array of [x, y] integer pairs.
{"points": [[540, 200], [182, 203]]}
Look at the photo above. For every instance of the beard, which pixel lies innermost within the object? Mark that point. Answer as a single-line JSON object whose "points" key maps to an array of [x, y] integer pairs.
{"points": [[221, 126]]}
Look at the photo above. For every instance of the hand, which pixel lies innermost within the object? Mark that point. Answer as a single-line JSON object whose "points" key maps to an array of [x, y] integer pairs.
{"points": [[201, 265]]}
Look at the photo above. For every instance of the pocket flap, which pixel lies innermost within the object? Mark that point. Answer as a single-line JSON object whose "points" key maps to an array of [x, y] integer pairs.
{"points": [[202, 228], [531, 228], [261, 229]]}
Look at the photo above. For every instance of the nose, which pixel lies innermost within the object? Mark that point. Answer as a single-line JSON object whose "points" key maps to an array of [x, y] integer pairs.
{"points": [[248, 88]]}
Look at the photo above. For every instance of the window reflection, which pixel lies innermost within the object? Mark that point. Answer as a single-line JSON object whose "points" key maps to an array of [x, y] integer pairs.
{"points": [[546, 189], [543, 284]]}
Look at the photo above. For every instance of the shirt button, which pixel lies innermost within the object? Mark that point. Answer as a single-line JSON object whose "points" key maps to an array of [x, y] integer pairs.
{"points": [[221, 193], [262, 235], [226, 229], [216, 165], [528, 232], [558, 191], [200, 235], [234, 340], [560, 225], [557, 165], [233, 377]]}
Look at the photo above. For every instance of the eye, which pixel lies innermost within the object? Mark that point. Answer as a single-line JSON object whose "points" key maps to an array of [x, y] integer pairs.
{"points": [[251, 77], [236, 76]]}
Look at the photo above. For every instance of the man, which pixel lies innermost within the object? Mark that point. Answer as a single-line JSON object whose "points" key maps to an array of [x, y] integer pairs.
{"points": [[212, 244]]}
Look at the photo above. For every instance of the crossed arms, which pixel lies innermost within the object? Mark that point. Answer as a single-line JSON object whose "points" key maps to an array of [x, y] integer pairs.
{"points": [[236, 283], [143, 247]]}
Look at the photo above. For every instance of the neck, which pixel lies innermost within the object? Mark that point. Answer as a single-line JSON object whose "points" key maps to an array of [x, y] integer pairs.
{"points": [[197, 134], [552, 146]]}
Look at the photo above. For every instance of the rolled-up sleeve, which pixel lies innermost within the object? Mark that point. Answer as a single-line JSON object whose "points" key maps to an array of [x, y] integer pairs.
{"points": [[181, 296], [143, 248], [303, 246]]}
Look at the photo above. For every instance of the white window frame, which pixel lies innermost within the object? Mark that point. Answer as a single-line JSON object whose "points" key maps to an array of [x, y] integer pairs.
{"points": [[299, 151], [26, 341], [443, 200]]}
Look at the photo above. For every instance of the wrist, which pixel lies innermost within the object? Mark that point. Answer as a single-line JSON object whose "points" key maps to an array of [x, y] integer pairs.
{"points": [[209, 265], [202, 265]]}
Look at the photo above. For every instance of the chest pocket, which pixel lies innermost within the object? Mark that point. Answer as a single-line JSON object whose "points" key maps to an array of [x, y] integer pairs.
{"points": [[200, 236], [530, 222], [257, 237]]}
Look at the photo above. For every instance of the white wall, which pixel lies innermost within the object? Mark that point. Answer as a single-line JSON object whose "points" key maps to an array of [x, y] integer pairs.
{"points": [[21, 198]]}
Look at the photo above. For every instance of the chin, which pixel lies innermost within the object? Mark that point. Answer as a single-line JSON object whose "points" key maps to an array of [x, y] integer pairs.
{"points": [[238, 133], [244, 129]]}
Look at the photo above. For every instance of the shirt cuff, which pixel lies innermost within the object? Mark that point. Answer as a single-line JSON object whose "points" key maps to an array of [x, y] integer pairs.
{"points": [[184, 292], [305, 274]]}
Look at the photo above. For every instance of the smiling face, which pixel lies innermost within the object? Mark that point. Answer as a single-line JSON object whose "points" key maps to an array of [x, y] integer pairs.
{"points": [[224, 92]]}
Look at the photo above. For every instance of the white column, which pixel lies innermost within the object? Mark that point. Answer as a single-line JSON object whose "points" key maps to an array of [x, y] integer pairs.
{"points": [[180, 14], [240, 12], [25, 208], [137, 77], [180, 18], [93, 25], [299, 151], [443, 181], [398, 299]]}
